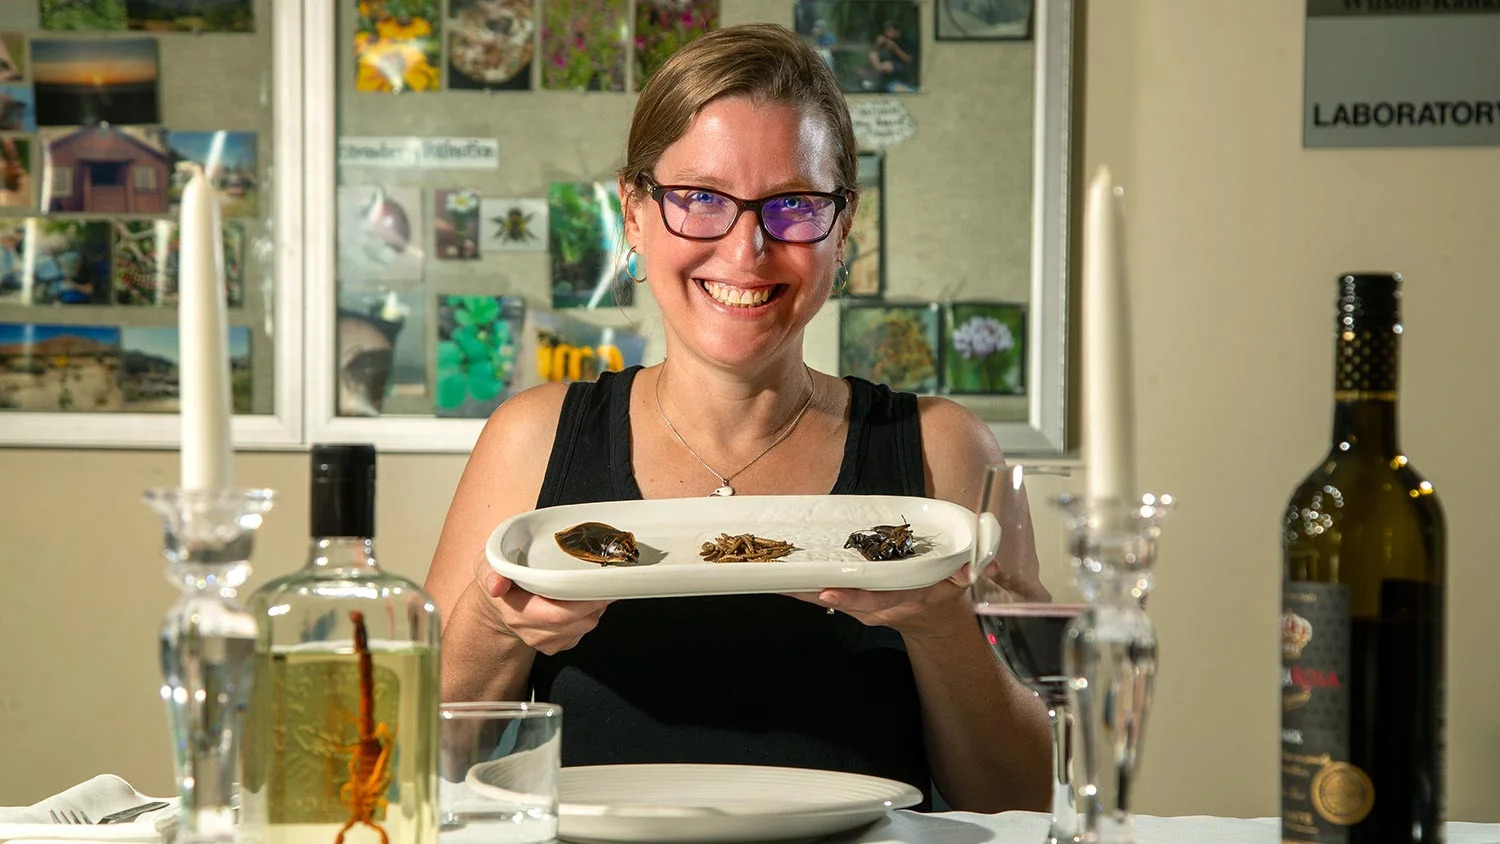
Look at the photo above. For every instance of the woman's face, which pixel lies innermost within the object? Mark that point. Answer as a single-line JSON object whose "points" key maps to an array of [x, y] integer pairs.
{"points": [[738, 299]]}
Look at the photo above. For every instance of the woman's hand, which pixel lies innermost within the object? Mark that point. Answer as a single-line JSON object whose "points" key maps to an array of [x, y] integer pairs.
{"points": [[938, 611], [545, 625]]}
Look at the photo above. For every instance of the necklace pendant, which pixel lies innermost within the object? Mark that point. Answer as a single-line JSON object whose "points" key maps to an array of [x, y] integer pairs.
{"points": [[723, 491]]}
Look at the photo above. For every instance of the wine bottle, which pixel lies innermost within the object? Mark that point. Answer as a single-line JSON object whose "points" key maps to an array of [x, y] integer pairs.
{"points": [[342, 725], [1363, 608]]}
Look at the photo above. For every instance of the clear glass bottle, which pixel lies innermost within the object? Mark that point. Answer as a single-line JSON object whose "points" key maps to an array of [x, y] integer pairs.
{"points": [[341, 734], [1363, 609]]}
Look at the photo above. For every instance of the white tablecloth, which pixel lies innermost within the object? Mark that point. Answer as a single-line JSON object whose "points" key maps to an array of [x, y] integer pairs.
{"points": [[1030, 828]]}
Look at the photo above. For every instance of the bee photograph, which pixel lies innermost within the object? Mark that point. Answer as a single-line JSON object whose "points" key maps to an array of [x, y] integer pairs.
{"points": [[517, 225]]}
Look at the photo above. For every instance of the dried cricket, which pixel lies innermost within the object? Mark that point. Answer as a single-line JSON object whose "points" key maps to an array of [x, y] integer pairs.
{"points": [[370, 759], [744, 548], [883, 542]]}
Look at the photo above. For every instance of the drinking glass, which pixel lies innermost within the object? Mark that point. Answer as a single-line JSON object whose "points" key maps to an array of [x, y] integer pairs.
{"points": [[499, 764], [1024, 610]]}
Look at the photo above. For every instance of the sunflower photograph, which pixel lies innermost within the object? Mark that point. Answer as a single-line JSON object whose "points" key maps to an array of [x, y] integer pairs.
{"points": [[396, 46]]}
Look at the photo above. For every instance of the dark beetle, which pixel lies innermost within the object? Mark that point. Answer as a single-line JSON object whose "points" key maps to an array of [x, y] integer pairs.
{"points": [[598, 542]]}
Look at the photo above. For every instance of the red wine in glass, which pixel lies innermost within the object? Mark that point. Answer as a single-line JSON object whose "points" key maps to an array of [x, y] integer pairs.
{"points": [[1028, 639]]}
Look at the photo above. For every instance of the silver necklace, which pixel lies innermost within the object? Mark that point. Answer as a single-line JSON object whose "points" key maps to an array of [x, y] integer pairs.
{"points": [[724, 487]]}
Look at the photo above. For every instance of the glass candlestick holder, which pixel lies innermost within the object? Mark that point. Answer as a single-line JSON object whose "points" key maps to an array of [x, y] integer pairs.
{"points": [[207, 648], [1109, 654]]}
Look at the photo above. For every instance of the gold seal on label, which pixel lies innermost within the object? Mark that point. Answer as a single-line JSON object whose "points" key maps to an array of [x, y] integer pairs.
{"points": [[1342, 793]]}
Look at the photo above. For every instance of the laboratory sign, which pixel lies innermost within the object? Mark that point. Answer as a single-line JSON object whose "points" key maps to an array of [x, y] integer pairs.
{"points": [[1401, 73]]}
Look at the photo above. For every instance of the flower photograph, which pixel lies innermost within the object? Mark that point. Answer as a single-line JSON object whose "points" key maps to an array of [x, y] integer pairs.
{"points": [[890, 344], [664, 26], [455, 223], [584, 44], [984, 348], [396, 46]]}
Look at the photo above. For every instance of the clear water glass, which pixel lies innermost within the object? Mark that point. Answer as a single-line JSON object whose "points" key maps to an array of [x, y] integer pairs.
{"points": [[499, 767]]}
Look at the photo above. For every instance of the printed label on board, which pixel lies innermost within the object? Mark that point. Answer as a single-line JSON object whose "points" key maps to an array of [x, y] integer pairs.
{"points": [[1321, 793], [428, 153]]}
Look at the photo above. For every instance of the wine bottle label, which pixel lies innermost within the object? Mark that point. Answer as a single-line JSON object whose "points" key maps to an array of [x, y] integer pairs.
{"points": [[1321, 793]]}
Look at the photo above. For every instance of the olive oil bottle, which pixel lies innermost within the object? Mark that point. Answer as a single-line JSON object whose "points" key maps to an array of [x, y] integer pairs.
{"points": [[1362, 625]]}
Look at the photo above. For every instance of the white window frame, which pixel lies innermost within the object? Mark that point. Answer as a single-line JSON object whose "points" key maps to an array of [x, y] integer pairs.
{"points": [[283, 428]]}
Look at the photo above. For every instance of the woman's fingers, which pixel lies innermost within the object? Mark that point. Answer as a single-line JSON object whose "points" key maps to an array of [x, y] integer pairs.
{"points": [[495, 585]]}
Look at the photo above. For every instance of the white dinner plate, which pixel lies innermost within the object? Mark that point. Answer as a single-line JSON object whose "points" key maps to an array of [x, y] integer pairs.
{"points": [[670, 533], [718, 803]]}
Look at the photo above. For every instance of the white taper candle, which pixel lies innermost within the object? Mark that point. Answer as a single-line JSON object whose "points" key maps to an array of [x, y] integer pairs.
{"points": [[1108, 394], [203, 342]]}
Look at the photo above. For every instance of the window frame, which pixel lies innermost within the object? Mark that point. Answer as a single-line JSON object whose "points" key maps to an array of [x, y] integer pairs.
{"points": [[283, 428]]}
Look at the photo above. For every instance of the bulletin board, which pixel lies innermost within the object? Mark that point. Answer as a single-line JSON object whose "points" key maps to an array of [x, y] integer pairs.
{"points": [[105, 104], [476, 245]]}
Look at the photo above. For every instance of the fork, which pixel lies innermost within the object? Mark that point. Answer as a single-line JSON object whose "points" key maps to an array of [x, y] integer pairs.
{"points": [[68, 816]]}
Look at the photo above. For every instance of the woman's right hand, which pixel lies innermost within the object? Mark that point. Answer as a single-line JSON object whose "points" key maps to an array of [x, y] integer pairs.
{"points": [[545, 625]]}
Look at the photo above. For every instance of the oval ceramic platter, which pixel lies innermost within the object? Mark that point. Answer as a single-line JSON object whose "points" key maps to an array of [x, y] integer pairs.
{"points": [[658, 804], [670, 532]]}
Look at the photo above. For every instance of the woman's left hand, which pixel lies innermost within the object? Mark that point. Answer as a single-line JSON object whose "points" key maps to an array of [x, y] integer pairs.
{"points": [[931, 612]]}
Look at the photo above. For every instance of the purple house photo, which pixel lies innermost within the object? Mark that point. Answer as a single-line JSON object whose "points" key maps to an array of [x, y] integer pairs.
{"points": [[106, 171]]}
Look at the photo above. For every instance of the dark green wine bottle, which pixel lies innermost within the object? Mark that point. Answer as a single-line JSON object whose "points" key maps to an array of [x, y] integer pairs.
{"points": [[1363, 609]]}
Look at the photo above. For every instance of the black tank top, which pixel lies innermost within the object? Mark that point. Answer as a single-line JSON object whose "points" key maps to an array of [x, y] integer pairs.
{"points": [[736, 679]]}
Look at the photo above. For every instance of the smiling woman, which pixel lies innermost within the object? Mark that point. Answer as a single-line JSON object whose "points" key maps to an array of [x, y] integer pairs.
{"points": [[737, 193]]}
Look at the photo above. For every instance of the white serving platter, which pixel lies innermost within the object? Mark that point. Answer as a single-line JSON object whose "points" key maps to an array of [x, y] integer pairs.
{"points": [[670, 532]]}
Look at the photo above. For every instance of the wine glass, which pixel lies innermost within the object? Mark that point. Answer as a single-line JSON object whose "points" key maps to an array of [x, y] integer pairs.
{"points": [[1024, 611]]}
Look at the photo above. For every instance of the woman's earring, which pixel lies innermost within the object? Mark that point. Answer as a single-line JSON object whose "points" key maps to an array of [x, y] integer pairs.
{"points": [[841, 278], [633, 266]]}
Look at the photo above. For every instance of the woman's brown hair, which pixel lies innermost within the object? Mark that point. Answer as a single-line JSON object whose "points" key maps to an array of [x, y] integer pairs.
{"points": [[765, 62]]}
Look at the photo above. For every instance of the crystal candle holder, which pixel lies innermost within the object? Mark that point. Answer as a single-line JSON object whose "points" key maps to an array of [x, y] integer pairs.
{"points": [[207, 647], [1109, 655]]}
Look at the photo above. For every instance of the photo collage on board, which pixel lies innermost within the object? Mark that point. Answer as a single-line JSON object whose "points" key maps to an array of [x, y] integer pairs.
{"points": [[406, 342], [91, 180]]}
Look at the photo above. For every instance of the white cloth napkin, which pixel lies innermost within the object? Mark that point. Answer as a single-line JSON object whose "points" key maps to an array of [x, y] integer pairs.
{"points": [[96, 798]]}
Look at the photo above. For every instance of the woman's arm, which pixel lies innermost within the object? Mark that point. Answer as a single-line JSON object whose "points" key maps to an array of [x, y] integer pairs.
{"points": [[483, 659], [988, 738]]}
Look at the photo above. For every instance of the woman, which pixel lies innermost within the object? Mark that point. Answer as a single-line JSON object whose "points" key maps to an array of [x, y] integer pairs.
{"points": [[896, 684]]}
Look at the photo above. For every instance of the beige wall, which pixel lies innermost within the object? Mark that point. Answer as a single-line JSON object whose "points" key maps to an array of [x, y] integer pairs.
{"points": [[1236, 234]]}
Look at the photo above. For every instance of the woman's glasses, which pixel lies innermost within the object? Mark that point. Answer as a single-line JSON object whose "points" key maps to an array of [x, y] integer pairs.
{"points": [[702, 214]]}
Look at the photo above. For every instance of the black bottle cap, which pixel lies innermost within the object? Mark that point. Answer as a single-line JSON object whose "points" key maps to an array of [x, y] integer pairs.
{"points": [[1369, 300], [343, 490]]}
